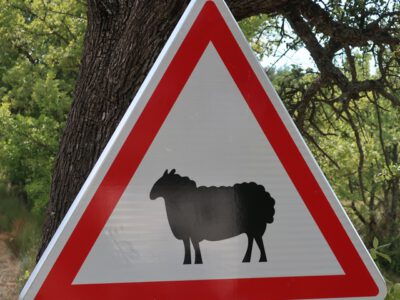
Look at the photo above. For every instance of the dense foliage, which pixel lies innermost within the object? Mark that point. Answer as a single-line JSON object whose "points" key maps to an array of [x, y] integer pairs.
{"points": [[355, 137], [40, 49]]}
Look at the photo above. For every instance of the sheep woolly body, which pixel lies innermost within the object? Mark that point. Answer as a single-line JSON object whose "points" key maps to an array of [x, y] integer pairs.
{"points": [[214, 213]]}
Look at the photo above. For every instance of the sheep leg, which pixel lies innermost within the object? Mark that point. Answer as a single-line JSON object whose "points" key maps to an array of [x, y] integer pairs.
{"points": [[197, 253], [247, 256], [187, 260], [260, 245]]}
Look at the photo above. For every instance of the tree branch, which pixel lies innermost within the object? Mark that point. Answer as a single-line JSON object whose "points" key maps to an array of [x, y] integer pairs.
{"points": [[343, 33]]}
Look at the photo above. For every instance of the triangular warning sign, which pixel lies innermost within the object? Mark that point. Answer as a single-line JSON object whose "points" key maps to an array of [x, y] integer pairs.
{"points": [[241, 209]]}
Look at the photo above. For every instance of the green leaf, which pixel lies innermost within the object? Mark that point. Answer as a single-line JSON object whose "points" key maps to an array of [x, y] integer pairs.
{"points": [[385, 256], [375, 243], [373, 253]]}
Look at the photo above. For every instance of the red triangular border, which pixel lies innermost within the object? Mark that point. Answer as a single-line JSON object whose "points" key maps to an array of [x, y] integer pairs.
{"points": [[208, 27]]}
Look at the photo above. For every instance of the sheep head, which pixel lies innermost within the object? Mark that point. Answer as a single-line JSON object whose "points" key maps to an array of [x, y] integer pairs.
{"points": [[162, 185]]}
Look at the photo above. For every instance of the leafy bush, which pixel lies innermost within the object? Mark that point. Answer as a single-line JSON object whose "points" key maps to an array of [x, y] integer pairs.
{"points": [[40, 49]]}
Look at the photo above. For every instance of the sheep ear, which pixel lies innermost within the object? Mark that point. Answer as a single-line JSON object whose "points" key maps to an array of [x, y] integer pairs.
{"points": [[166, 172], [172, 171]]}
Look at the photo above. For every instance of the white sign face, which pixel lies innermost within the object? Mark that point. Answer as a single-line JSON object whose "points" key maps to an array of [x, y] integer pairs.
{"points": [[206, 191], [211, 136]]}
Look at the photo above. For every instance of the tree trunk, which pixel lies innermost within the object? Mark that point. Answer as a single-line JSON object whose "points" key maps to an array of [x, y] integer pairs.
{"points": [[122, 41]]}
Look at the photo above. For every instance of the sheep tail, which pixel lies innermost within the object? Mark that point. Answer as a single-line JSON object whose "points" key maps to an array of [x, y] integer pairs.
{"points": [[270, 210]]}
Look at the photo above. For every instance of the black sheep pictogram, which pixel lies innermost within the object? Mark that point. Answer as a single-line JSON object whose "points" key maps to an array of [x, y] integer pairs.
{"points": [[214, 213]]}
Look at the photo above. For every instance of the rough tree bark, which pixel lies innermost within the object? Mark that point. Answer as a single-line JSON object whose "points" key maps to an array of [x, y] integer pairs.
{"points": [[122, 41]]}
